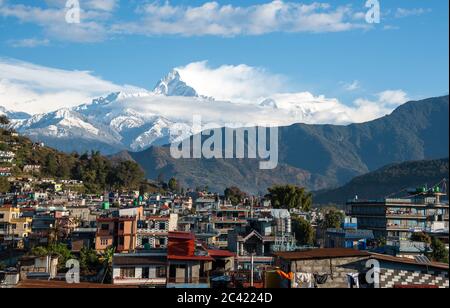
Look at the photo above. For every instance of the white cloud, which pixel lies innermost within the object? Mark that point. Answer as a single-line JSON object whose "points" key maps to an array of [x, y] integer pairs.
{"points": [[353, 86], [364, 109], [240, 83], [393, 97], [212, 18], [29, 43], [402, 12], [52, 19], [35, 89]]}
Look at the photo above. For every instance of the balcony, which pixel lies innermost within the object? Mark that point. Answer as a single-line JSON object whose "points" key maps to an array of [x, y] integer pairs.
{"points": [[402, 215], [104, 233], [140, 281]]}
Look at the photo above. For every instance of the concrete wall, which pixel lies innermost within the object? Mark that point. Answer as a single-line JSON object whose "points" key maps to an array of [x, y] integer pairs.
{"points": [[337, 268]]}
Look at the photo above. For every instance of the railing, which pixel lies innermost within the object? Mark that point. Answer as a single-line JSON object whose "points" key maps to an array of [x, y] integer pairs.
{"points": [[104, 232]]}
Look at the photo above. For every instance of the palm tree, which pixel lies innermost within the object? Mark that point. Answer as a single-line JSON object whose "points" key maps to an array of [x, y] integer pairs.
{"points": [[106, 259]]}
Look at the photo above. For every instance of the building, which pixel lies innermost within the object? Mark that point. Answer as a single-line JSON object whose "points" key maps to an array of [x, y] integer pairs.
{"points": [[153, 231], [348, 236], [409, 273], [83, 238], [31, 169], [5, 171], [400, 218], [118, 232], [7, 156], [188, 266], [321, 268], [13, 227], [226, 219], [141, 269]]}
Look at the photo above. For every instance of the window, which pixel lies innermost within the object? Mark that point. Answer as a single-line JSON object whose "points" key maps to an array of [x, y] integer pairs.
{"points": [[162, 226], [121, 226], [104, 242], [121, 240], [105, 227], [145, 273], [14, 226], [127, 272], [160, 272], [2, 216]]}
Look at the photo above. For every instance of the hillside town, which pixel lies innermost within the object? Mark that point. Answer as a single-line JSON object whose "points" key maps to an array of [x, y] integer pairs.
{"points": [[51, 229]]}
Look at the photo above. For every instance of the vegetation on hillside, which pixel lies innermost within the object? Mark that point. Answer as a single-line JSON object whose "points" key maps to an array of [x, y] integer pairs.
{"points": [[97, 172]]}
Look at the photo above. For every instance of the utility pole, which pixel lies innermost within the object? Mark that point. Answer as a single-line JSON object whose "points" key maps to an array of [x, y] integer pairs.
{"points": [[252, 270]]}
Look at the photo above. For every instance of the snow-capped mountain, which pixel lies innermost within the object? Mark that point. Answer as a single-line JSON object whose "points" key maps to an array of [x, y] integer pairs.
{"points": [[138, 119], [172, 85], [111, 123]]}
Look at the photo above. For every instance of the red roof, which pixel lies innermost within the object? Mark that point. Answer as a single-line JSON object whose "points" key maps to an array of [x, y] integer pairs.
{"points": [[217, 253], [190, 258], [181, 235]]}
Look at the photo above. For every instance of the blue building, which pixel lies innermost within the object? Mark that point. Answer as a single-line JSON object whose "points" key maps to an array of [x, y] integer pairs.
{"points": [[348, 236]]}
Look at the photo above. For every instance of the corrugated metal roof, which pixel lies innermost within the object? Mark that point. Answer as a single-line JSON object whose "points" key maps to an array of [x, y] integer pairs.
{"points": [[321, 253]]}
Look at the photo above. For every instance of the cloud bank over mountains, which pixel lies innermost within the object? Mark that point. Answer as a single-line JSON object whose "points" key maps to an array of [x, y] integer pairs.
{"points": [[228, 93]]}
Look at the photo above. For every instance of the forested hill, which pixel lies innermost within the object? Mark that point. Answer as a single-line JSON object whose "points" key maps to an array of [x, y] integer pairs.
{"points": [[391, 180], [96, 171]]}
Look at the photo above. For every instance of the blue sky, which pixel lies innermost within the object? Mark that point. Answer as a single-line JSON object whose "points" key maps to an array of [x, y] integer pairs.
{"points": [[345, 59]]}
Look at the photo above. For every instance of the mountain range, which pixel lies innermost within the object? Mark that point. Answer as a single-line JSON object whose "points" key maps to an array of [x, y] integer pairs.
{"points": [[319, 156], [138, 119]]}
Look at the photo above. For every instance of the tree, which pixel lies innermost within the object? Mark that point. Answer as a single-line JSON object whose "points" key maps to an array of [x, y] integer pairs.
{"points": [[39, 251], [51, 165], [106, 260], [5, 186], [333, 218], [303, 230], [290, 197], [126, 175], [439, 252], [4, 121], [89, 260], [421, 237], [235, 195], [173, 184]]}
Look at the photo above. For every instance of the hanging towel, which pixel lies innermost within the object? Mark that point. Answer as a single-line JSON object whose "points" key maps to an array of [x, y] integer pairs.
{"points": [[303, 280], [353, 280]]}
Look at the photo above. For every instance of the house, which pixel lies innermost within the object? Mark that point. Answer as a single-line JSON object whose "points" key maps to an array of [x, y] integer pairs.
{"points": [[256, 241], [153, 231], [225, 220], [118, 232], [30, 169], [188, 266], [5, 171], [83, 237], [321, 268], [13, 227], [7, 156], [141, 269]]}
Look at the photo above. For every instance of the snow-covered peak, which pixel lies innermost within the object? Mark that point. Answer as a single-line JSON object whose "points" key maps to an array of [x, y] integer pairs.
{"points": [[269, 103], [172, 85]]}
